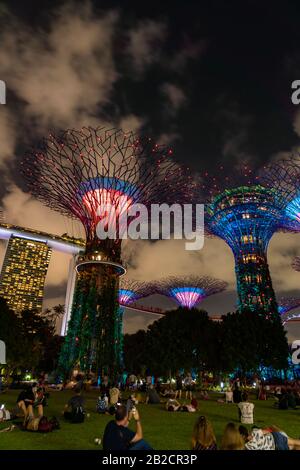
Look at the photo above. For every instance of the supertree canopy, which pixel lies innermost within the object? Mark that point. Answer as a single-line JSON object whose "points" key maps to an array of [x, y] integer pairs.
{"points": [[131, 290], [284, 176], [93, 175], [188, 291], [245, 214]]}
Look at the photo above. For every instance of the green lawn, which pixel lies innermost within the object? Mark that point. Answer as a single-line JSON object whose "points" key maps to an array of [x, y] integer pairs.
{"points": [[162, 429]]}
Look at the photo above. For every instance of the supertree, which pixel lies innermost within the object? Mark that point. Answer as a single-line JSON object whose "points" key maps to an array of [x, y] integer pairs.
{"points": [[130, 291], [95, 176], [188, 291], [245, 214]]}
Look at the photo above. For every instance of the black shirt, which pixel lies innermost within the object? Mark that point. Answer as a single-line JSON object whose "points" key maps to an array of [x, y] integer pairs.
{"points": [[26, 395], [76, 402], [117, 437], [153, 397]]}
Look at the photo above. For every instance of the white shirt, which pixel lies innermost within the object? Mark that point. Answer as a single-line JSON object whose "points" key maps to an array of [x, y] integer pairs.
{"points": [[246, 412], [260, 441]]}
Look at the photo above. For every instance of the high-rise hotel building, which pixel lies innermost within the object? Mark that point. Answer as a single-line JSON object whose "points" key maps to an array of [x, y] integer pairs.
{"points": [[23, 273]]}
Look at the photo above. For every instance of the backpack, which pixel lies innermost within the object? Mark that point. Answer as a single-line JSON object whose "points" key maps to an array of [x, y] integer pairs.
{"points": [[77, 415], [44, 425], [101, 405]]}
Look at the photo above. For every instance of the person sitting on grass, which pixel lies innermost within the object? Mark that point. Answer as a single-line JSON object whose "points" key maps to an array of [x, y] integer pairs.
{"points": [[172, 405], [114, 395], [117, 436], [25, 402], [232, 439], [204, 395], [245, 409], [192, 407], [203, 435], [74, 410], [229, 395], [152, 397], [101, 406]]}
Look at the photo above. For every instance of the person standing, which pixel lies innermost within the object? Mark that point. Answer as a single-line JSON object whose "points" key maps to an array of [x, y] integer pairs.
{"points": [[188, 384], [178, 390]]}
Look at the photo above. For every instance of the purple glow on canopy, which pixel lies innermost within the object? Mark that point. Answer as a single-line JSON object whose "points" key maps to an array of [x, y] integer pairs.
{"points": [[187, 296]]}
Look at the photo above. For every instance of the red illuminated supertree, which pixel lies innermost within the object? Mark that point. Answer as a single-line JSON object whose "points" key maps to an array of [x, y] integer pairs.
{"points": [[188, 291], [95, 176]]}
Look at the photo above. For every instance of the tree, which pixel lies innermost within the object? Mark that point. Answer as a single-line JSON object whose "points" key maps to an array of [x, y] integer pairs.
{"points": [[135, 351]]}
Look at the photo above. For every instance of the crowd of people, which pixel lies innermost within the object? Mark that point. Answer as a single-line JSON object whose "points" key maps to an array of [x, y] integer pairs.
{"points": [[121, 404]]}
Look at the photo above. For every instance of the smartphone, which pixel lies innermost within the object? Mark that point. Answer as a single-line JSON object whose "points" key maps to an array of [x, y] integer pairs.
{"points": [[2, 407]]}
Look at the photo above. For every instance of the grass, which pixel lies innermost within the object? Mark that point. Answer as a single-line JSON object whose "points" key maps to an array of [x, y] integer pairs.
{"points": [[162, 429]]}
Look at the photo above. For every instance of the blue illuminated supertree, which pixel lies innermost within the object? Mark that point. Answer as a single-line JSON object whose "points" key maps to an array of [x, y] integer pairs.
{"points": [[129, 292], [189, 291], [245, 214]]}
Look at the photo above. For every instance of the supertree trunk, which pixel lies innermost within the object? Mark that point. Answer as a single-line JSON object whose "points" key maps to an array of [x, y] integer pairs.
{"points": [[120, 336], [254, 284], [92, 339]]}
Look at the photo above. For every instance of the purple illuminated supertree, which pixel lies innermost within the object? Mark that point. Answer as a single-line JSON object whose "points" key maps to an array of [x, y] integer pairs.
{"points": [[189, 291], [245, 214], [95, 176]]}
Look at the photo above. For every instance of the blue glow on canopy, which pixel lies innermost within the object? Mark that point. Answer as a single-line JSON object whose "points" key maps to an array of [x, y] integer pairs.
{"points": [[108, 183], [293, 209]]}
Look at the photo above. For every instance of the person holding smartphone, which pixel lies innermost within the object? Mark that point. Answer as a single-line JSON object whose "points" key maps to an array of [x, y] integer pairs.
{"points": [[117, 436]]}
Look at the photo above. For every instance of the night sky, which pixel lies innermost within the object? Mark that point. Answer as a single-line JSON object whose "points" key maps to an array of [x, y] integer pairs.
{"points": [[212, 80]]}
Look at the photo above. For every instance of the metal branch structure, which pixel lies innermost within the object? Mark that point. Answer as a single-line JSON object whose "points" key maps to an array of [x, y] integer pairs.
{"points": [[95, 176], [284, 177], [189, 291], [287, 304], [296, 263], [131, 290], [245, 214]]}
